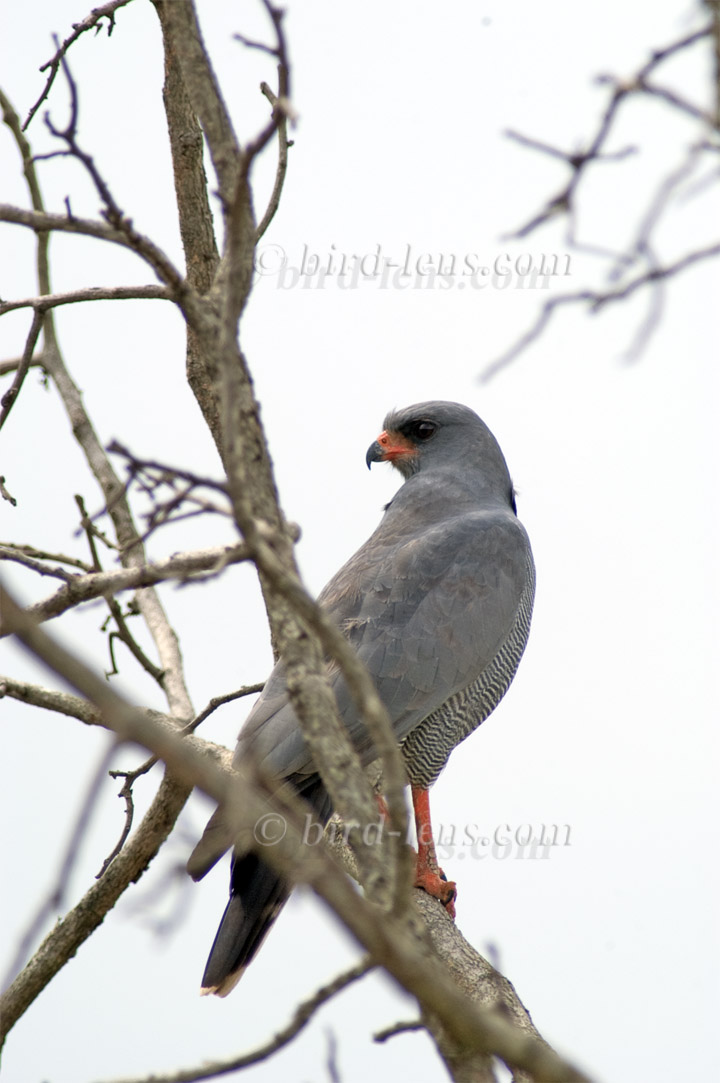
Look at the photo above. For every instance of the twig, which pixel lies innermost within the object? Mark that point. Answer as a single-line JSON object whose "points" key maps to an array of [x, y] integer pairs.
{"points": [[596, 300], [332, 1066], [132, 776], [106, 11], [281, 106], [182, 566], [8, 399], [41, 554], [408, 1027], [19, 557], [5, 494], [86, 524], [283, 144], [135, 466], [123, 632], [125, 636], [126, 238], [56, 896], [220, 701], [667, 187], [302, 1016], [88, 293], [127, 794], [131, 549]]}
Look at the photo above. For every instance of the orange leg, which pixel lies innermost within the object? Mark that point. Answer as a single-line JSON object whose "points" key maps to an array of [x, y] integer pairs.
{"points": [[428, 874]]}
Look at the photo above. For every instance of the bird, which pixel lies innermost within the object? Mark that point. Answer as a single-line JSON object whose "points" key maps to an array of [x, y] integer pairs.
{"points": [[437, 604]]}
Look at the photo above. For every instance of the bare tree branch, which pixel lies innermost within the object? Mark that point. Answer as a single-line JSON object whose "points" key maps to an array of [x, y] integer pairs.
{"points": [[283, 144], [136, 242], [563, 205], [19, 557], [8, 399], [89, 293], [579, 160], [182, 567], [595, 300], [4, 493], [304, 1013], [106, 11], [62, 702], [15, 551], [12, 363], [131, 777], [390, 939], [56, 896]]}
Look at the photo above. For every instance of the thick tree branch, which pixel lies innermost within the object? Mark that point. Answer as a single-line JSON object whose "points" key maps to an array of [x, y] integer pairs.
{"points": [[181, 27]]}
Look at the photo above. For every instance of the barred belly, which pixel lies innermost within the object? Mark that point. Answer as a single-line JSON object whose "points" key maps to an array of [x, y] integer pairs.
{"points": [[426, 748]]}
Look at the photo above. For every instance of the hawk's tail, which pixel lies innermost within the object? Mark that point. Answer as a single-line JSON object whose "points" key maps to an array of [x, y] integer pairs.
{"points": [[257, 895]]}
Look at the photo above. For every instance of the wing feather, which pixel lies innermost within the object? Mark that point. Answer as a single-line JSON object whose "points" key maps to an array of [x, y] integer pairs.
{"points": [[426, 609]]}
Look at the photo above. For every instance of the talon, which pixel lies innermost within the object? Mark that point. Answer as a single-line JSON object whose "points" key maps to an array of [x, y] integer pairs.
{"points": [[437, 885]]}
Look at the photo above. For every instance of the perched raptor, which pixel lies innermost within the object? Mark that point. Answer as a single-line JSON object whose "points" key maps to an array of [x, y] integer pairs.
{"points": [[437, 604]]}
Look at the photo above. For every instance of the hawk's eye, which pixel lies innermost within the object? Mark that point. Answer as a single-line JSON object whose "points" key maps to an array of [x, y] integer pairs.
{"points": [[423, 430]]}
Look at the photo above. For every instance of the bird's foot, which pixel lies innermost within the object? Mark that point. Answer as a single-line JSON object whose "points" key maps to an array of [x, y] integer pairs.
{"points": [[437, 885]]}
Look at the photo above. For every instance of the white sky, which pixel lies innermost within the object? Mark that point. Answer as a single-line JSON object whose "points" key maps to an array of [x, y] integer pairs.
{"points": [[610, 726]]}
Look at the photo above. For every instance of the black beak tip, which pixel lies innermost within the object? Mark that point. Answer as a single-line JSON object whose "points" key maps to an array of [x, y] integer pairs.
{"points": [[374, 454]]}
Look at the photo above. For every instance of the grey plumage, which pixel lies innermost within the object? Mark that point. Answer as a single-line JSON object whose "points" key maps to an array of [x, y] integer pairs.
{"points": [[437, 604]]}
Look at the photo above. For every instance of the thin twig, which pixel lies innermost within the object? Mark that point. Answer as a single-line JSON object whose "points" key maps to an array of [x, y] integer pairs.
{"points": [[596, 300], [5, 494], [56, 897], [408, 1027], [125, 636], [18, 557], [126, 238], [8, 399], [106, 11], [42, 554], [135, 465], [283, 144], [132, 776], [282, 108], [301, 1017]]}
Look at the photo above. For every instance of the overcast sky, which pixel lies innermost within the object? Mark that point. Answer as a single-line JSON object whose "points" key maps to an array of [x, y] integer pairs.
{"points": [[611, 725]]}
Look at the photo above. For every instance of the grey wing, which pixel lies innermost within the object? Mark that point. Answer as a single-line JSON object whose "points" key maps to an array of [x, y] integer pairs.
{"points": [[426, 614]]}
